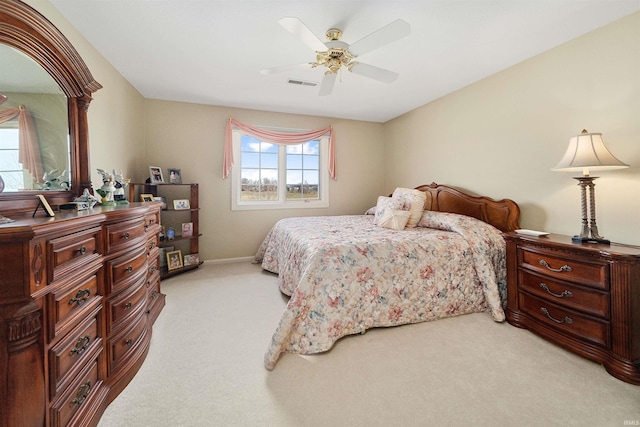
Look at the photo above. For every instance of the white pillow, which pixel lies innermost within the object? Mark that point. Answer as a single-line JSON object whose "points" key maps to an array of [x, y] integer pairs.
{"points": [[384, 205], [394, 219], [412, 200]]}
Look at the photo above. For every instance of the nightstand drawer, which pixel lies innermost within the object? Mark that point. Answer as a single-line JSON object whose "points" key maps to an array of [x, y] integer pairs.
{"points": [[557, 317], [554, 265], [565, 294]]}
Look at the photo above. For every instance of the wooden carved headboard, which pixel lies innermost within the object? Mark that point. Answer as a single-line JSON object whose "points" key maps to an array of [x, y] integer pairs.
{"points": [[503, 214]]}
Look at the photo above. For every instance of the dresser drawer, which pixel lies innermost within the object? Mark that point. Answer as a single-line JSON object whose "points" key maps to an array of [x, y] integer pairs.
{"points": [[127, 303], [582, 326], [69, 253], [72, 302], [121, 269], [153, 244], [124, 235], [125, 342], [76, 396], [152, 220], [73, 351], [566, 294], [556, 266]]}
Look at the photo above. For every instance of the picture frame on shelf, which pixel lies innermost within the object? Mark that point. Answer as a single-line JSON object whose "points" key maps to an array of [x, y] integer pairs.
{"points": [[181, 204], [175, 176], [146, 198], [162, 200], [191, 259], [163, 254], [155, 175], [187, 229], [174, 260]]}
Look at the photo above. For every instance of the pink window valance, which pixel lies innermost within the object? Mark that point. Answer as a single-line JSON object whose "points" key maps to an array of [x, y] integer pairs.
{"points": [[284, 138], [28, 150]]}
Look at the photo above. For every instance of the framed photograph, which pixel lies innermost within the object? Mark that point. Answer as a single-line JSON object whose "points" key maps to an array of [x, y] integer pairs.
{"points": [[187, 229], [163, 254], [191, 259], [45, 205], [174, 260], [155, 175], [174, 176], [147, 198], [162, 200], [181, 204]]}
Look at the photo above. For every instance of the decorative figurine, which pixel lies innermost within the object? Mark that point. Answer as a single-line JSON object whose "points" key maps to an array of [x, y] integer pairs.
{"points": [[113, 185], [53, 182], [88, 198]]}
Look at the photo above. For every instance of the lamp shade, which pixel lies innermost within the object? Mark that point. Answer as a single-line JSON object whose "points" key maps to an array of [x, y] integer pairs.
{"points": [[588, 152]]}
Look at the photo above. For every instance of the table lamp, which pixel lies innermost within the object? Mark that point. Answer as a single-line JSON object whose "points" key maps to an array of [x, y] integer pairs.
{"points": [[587, 152]]}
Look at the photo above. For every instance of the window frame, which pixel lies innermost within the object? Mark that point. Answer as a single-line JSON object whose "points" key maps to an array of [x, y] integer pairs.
{"points": [[282, 203]]}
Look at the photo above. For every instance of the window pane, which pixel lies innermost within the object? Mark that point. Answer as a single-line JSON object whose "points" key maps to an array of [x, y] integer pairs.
{"points": [[9, 161], [311, 162], [250, 160], [311, 147], [269, 160], [294, 161]]}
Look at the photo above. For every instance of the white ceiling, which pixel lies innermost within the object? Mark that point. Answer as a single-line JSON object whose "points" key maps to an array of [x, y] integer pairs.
{"points": [[212, 51]]}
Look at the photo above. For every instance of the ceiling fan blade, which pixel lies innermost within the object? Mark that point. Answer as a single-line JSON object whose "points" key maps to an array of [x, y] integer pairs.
{"points": [[387, 34], [373, 72], [274, 70], [297, 28], [328, 81]]}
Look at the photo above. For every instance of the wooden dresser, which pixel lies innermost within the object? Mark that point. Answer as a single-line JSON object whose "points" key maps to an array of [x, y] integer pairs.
{"points": [[584, 297], [79, 293]]}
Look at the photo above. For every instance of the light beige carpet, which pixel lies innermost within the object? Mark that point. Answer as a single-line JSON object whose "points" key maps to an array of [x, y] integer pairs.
{"points": [[205, 368]]}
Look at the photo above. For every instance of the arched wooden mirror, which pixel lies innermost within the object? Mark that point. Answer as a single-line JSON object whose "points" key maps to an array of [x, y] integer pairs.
{"points": [[57, 112]]}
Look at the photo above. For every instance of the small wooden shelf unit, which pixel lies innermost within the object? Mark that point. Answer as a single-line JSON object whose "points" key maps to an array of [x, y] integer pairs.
{"points": [[173, 218]]}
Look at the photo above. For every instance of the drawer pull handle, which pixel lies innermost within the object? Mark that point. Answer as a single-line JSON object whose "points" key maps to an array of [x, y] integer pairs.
{"points": [[81, 346], [152, 245], [128, 342], [127, 306], [153, 269], [567, 320], [565, 293], [82, 394], [125, 236], [81, 296], [82, 250], [146, 227], [154, 294], [556, 270], [129, 269]]}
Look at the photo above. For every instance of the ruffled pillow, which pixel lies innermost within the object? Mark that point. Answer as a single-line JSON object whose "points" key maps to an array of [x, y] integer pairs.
{"points": [[413, 201], [385, 205], [394, 219]]}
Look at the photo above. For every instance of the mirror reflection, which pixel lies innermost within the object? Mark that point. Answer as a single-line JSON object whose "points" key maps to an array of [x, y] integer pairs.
{"points": [[34, 131]]}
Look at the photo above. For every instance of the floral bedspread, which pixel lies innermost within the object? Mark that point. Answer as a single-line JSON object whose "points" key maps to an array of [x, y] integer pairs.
{"points": [[345, 275]]}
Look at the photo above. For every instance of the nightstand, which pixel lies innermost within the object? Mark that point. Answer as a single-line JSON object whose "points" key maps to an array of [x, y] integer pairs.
{"points": [[584, 297]]}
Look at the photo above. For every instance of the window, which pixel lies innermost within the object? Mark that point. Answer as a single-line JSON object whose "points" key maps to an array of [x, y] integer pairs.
{"points": [[10, 169], [273, 176]]}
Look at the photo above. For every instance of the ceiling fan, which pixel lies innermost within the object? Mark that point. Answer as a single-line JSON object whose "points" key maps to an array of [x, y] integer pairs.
{"points": [[335, 54]]}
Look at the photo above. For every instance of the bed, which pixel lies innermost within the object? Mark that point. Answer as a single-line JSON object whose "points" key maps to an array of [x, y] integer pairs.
{"points": [[346, 274]]}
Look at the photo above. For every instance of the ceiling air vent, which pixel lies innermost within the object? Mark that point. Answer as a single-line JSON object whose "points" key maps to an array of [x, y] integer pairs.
{"points": [[302, 83]]}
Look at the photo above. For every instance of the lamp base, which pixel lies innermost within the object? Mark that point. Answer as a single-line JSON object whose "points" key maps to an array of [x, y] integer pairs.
{"points": [[578, 239]]}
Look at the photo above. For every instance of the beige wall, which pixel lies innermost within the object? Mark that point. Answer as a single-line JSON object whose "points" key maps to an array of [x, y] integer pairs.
{"points": [[501, 136], [191, 137]]}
